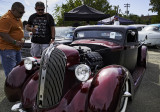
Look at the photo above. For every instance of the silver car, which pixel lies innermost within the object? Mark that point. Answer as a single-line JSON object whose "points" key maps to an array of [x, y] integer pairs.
{"points": [[150, 35]]}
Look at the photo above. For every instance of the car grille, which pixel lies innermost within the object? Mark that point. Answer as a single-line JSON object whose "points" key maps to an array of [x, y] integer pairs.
{"points": [[51, 78]]}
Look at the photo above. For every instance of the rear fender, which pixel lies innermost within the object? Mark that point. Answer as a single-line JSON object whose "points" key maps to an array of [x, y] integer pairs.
{"points": [[106, 87], [144, 54]]}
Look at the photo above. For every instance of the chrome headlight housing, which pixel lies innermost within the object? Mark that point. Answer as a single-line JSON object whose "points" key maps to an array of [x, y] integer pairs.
{"points": [[82, 72], [29, 62]]}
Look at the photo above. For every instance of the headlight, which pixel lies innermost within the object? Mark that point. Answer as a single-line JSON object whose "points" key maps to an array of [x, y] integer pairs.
{"points": [[82, 72], [28, 63]]}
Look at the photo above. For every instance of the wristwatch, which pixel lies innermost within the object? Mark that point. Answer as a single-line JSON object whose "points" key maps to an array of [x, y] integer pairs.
{"points": [[14, 42]]}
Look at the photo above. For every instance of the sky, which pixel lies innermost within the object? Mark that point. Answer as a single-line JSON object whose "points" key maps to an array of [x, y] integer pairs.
{"points": [[137, 7]]}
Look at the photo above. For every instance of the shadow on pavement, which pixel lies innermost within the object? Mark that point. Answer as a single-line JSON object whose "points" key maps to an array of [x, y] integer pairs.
{"points": [[5, 105], [153, 49], [147, 97]]}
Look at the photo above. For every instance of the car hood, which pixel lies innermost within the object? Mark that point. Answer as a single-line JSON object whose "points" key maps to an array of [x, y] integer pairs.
{"points": [[97, 42]]}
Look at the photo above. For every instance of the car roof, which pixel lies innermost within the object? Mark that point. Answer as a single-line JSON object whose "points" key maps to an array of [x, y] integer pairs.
{"points": [[155, 25], [138, 25], [122, 28]]}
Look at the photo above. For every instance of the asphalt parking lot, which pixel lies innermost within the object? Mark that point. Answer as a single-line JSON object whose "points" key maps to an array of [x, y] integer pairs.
{"points": [[147, 97]]}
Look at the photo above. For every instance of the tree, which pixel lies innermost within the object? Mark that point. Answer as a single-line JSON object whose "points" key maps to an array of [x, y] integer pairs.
{"points": [[101, 5], [155, 19], [155, 6]]}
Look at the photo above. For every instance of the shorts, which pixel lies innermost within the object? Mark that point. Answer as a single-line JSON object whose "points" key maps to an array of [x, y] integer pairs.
{"points": [[37, 49]]}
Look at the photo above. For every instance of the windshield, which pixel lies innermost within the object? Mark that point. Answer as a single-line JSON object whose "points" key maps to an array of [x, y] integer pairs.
{"points": [[103, 34]]}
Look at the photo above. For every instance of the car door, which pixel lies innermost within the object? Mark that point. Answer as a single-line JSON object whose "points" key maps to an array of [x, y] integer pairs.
{"points": [[130, 52]]}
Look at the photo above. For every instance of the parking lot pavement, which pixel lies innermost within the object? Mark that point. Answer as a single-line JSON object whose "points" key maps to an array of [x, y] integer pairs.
{"points": [[147, 97], [5, 105]]}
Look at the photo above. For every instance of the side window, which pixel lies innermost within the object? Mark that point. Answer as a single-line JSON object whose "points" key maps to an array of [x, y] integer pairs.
{"points": [[131, 36]]}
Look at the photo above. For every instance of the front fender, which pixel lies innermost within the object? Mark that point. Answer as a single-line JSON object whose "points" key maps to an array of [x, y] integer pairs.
{"points": [[15, 81], [106, 87], [30, 91]]}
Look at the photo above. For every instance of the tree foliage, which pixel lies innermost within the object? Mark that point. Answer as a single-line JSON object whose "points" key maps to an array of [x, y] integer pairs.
{"points": [[155, 8], [101, 5]]}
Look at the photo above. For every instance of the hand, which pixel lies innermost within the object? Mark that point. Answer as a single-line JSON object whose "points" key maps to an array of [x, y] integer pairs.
{"points": [[19, 43], [33, 30], [52, 41]]}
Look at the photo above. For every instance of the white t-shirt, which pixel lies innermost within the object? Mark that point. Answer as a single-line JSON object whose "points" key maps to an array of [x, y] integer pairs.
{"points": [[116, 23]]}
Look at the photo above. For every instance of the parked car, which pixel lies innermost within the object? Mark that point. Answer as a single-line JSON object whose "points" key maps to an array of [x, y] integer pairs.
{"points": [[64, 35], [138, 26], [151, 35], [99, 71]]}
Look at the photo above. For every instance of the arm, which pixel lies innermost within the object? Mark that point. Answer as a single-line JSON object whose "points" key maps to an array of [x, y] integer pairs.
{"points": [[53, 34], [9, 39], [30, 29], [52, 25], [29, 26]]}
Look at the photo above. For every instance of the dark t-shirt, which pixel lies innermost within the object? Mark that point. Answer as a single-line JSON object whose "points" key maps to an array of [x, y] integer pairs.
{"points": [[43, 22]]}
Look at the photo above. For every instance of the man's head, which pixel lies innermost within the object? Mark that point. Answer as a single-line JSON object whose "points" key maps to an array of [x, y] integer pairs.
{"points": [[116, 18], [39, 7], [17, 9]]}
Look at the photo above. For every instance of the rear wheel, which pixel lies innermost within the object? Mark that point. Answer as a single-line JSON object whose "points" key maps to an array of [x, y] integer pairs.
{"points": [[124, 97]]}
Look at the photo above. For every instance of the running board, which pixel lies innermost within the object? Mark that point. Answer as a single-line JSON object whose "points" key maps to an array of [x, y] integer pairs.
{"points": [[137, 75]]}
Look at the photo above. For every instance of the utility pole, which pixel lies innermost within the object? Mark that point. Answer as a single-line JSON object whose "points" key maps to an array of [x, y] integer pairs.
{"points": [[46, 6], [127, 5]]}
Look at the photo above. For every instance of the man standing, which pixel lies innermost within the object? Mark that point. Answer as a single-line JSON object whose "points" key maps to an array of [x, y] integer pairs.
{"points": [[11, 34], [116, 21], [42, 26]]}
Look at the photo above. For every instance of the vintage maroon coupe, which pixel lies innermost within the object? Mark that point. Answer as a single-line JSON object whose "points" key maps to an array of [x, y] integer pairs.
{"points": [[98, 72]]}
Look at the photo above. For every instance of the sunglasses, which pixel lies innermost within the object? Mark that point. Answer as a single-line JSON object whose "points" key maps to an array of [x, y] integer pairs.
{"points": [[40, 9]]}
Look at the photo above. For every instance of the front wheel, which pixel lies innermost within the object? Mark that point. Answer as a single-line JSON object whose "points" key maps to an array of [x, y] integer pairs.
{"points": [[124, 97]]}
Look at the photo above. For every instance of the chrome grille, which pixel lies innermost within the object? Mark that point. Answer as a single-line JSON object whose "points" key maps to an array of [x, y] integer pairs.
{"points": [[51, 78]]}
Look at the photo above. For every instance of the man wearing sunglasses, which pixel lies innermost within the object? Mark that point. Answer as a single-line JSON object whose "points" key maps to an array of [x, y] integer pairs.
{"points": [[11, 34], [43, 31]]}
